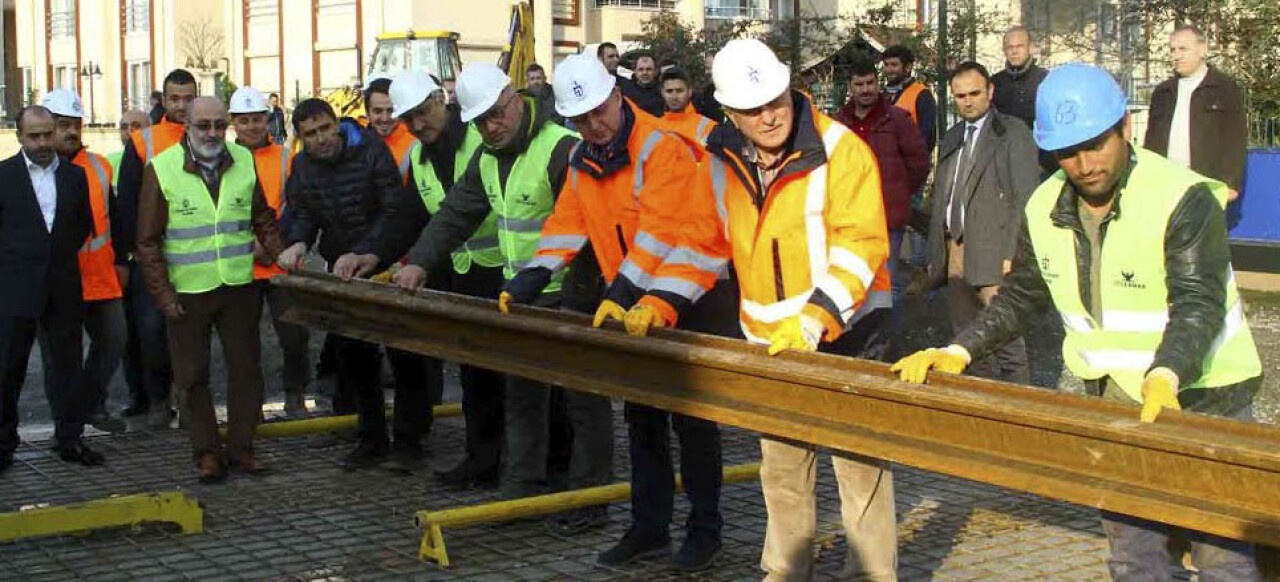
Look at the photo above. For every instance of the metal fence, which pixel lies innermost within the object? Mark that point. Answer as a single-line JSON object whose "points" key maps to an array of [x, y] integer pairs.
{"points": [[1264, 131], [653, 4]]}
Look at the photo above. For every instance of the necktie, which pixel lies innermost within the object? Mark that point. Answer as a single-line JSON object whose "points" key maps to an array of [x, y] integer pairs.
{"points": [[963, 166]]}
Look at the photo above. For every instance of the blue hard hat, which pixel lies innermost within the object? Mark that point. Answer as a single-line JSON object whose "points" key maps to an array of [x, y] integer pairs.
{"points": [[1076, 103]]}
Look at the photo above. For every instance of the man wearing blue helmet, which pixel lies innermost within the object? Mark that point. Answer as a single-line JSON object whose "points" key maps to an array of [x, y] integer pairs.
{"points": [[1131, 250]]}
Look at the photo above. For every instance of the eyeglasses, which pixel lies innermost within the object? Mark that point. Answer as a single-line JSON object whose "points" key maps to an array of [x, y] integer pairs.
{"points": [[496, 109], [217, 124]]}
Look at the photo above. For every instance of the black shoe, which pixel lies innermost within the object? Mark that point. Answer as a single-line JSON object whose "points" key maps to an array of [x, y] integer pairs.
{"points": [[698, 552], [107, 423], [136, 409], [405, 459], [635, 546], [469, 473], [77, 452], [577, 521], [6, 460], [364, 456]]}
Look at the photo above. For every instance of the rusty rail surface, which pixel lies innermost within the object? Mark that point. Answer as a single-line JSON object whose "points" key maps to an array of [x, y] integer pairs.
{"points": [[1195, 471]]}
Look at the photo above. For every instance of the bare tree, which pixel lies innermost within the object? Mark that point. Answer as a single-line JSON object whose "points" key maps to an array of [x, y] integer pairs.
{"points": [[201, 40]]}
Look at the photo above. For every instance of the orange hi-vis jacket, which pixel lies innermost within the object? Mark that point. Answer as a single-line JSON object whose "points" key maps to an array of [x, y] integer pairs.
{"points": [[97, 257], [632, 216], [907, 100], [273, 163], [401, 141], [152, 141], [814, 241], [688, 123]]}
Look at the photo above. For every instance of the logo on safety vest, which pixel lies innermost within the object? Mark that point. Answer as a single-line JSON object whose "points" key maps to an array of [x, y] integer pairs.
{"points": [[1046, 269], [1127, 280], [238, 201], [186, 208], [525, 199]]}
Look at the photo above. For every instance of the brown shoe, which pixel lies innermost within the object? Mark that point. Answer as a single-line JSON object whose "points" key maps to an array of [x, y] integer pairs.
{"points": [[210, 468], [245, 463]]}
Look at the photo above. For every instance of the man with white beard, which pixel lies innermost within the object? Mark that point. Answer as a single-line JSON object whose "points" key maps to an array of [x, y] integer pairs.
{"points": [[200, 210]]}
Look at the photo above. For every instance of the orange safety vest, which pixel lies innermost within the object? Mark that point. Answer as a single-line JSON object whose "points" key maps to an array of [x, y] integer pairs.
{"points": [[97, 259], [907, 99], [817, 243], [688, 123], [273, 164], [401, 141], [152, 141], [632, 217]]}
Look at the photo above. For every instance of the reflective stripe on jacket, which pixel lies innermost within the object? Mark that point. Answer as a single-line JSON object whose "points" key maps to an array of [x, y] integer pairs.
{"points": [[152, 141], [688, 123], [272, 164], [1135, 299], [632, 217], [814, 242], [208, 244], [400, 142], [97, 257]]}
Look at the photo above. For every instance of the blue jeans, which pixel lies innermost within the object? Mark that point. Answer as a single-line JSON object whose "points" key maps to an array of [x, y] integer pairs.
{"points": [[898, 274]]}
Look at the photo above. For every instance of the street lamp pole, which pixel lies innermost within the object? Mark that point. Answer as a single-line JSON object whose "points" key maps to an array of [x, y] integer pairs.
{"points": [[93, 72]]}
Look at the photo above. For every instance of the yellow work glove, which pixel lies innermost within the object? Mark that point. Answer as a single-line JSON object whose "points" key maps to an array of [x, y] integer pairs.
{"points": [[641, 318], [385, 276], [798, 333], [1159, 391], [504, 302], [607, 310], [915, 368]]}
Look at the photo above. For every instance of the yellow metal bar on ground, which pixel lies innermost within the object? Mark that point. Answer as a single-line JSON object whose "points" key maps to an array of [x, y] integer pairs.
{"points": [[169, 507], [431, 522], [306, 426]]}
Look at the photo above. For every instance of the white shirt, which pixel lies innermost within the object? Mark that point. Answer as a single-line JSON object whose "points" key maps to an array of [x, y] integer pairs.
{"points": [[1180, 128], [955, 180], [46, 187]]}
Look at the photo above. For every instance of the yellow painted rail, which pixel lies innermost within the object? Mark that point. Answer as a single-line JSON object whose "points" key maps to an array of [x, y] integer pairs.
{"points": [[124, 510]]}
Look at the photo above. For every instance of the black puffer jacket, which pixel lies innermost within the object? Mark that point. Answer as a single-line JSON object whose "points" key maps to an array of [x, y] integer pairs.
{"points": [[1196, 262], [350, 198]]}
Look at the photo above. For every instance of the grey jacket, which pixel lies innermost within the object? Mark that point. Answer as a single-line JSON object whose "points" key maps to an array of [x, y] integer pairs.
{"points": [[1005, 173]]}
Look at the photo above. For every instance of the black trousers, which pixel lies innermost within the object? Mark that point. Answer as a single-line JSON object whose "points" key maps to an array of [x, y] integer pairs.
{"points": [[359, 371], [482, 390], [652, 477], [147, 368], [67, 398]]}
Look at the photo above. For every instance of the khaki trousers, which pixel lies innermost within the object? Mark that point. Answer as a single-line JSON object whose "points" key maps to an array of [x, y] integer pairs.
{"points": [[788, 476]]}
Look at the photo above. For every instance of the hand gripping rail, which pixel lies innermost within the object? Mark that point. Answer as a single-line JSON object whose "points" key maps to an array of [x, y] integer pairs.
{"points": [[1194, 471]]}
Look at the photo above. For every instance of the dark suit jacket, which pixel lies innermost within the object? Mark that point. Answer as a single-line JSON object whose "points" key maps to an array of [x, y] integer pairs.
{"points": [[1005, 173], [1219, 127], [36, 264]]}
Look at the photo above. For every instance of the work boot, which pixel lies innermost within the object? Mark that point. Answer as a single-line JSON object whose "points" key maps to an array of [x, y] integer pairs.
{"points": [[210, 468], [469, 473], [577, 521], [699, 550], [245, 462], [405, 459], [295, 405], [635, 545], [364, 456], [107, 423]]}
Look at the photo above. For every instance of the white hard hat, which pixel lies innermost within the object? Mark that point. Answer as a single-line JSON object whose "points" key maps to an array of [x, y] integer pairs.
{"points": [[248, 100], [479, 86], [581, 84], [747, 74], [63, 102], [409, 89]]}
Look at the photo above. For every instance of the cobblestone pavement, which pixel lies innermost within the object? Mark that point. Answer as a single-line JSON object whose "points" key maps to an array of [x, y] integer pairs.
{"points": [[306, 519]]}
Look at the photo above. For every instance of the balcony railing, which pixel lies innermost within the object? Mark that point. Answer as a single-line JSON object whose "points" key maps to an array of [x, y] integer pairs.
{"points": [[646, 4], [738, 12]]}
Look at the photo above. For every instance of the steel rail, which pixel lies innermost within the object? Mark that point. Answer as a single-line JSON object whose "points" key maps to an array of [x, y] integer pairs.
{"points": [[1189, 470]]}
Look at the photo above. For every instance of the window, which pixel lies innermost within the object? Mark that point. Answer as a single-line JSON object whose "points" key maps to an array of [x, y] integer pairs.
{"points": [[64, 77], [62, 18], [140, 86], [565, 12], [137, 15], [733, 9], [651, 4]]}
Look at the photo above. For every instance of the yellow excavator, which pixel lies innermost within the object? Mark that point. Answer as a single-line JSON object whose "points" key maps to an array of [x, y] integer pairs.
{"points": [[436, 52]]}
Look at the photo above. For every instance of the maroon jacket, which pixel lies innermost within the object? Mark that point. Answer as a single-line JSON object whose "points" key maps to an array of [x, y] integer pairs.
{"points": [[904, 160]]}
